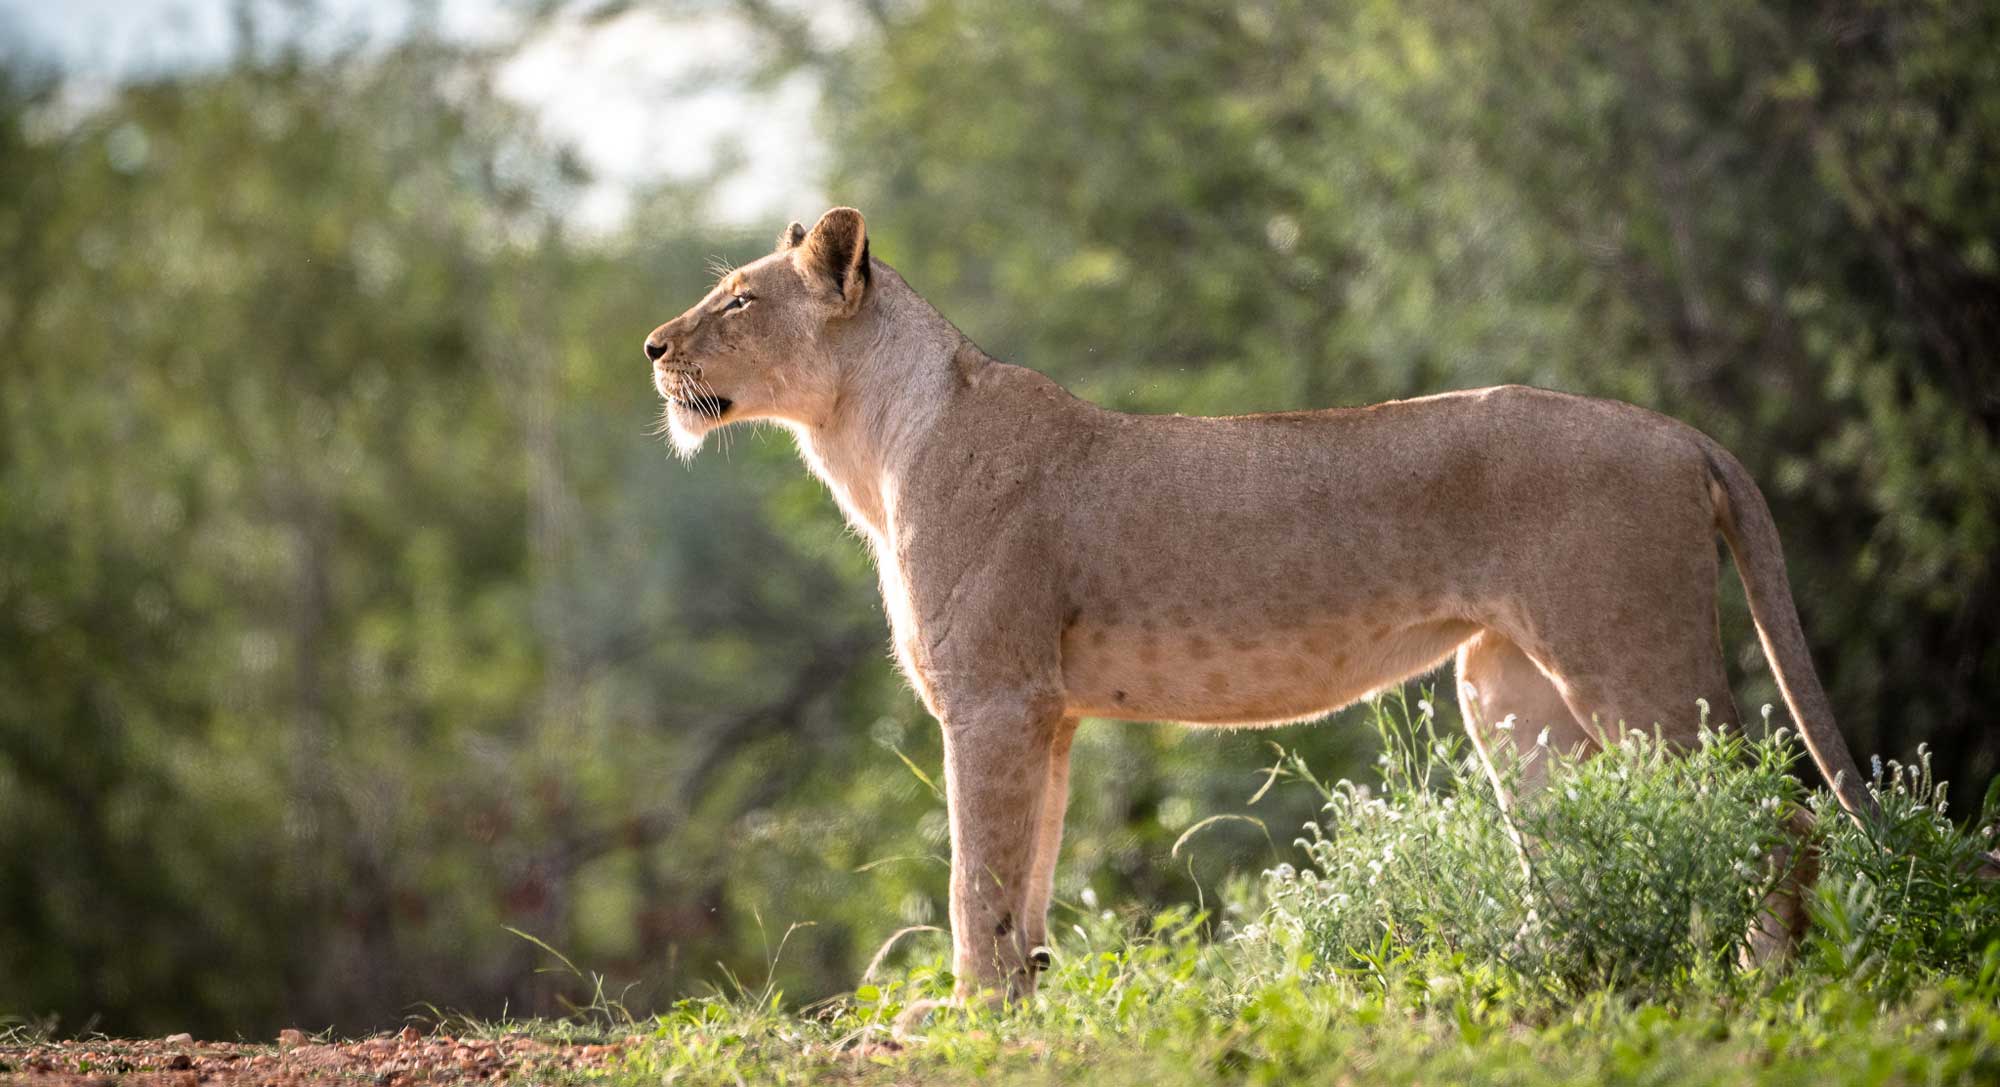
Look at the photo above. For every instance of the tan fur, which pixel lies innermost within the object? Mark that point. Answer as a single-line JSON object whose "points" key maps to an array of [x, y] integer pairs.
{"points": [[1043, 559]]}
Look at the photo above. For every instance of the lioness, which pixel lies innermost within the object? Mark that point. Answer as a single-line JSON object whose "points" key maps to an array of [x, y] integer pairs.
{"points": [[1043, 559]]}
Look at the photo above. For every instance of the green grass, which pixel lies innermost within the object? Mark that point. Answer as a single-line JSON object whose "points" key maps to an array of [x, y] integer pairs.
{"points": [[1417, 943]]}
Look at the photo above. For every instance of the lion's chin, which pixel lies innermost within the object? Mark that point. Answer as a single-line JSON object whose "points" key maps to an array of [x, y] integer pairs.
{"points": [[688, 424], [687, 440]]}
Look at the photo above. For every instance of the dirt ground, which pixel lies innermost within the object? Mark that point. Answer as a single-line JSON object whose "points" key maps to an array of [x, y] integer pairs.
{"points": [[390, 1060]]}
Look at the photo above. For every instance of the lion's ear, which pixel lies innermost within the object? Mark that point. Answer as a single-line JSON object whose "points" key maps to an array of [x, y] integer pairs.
{"points": [[791, 236], [835, 253]]}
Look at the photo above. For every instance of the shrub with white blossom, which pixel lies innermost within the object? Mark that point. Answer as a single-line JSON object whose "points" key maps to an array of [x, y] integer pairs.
{"points": [[1634, 868]]}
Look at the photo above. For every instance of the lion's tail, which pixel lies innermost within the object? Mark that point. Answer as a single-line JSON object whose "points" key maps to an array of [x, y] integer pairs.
{"points": [[1745, 521]]}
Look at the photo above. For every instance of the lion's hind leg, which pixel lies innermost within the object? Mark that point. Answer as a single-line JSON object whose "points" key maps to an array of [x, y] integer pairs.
{"points": [[1514, 714], [1659, 684]]}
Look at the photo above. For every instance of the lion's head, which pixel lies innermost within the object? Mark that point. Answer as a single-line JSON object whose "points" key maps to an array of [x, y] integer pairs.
{"points": [[757, 347]]}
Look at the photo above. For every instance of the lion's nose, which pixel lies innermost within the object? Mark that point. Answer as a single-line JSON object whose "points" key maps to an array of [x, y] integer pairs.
{"points": [[655, 351]]}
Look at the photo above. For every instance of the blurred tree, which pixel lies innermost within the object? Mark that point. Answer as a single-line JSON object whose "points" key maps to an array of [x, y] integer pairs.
{"points": [[340, 613]]}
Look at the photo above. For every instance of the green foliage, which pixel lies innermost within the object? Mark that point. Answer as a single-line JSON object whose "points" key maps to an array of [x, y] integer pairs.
{"points": [[1909, 894], [342, 620], [1638, 868]]}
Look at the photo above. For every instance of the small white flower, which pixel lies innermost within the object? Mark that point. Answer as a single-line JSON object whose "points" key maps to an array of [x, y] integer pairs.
{"points": [[1424, 707], [1543, 739], [1506, 723]]}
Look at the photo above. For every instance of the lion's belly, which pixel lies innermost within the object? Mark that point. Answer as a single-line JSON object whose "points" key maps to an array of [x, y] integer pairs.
{"points": [[1213, 673]]}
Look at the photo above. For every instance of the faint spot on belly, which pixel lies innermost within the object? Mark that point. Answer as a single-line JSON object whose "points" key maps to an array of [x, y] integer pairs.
{"points": [[1199, 649], [1217, 683]]}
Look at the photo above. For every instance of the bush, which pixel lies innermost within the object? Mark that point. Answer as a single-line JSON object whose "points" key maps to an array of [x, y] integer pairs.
{"points": [[1903, 895], [1639, 869]]}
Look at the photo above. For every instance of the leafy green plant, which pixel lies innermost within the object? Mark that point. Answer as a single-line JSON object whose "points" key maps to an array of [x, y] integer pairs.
{"points": [[1904, 894], [1636, 868]]}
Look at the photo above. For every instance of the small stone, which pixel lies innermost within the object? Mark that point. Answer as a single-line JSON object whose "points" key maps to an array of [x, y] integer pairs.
{"points": [[291, 1038], [180, 1062], [179, 1039]]}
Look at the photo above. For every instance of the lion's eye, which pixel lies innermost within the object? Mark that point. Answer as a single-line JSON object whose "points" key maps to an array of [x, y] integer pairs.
{"points": [[736, 303]]}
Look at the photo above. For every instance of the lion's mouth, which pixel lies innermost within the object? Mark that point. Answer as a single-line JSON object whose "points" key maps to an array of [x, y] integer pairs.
{"points": [[690, 393], [706, 405]]}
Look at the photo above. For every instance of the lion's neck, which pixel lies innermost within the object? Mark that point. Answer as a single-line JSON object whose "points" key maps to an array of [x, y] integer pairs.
{"points": [[905, 365]]}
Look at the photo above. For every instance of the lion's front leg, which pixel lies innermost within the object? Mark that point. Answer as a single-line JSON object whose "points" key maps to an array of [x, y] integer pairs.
{"points": [[996, 758]]}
